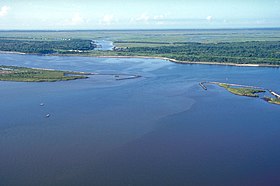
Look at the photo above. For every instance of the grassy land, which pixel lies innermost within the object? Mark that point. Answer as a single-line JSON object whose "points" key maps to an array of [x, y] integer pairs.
{"points": [[247, 91], [250, 92], [23, 74], [259, 46], [169, 36], [254, 52], [272, 100], [133, 44]]}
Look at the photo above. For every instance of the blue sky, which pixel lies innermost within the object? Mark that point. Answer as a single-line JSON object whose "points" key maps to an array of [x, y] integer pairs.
{"points": [[133, 14]]}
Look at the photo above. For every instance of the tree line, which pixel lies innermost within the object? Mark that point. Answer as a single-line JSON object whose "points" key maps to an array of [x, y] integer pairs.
{"points": [[236, 52], [45, 47]]}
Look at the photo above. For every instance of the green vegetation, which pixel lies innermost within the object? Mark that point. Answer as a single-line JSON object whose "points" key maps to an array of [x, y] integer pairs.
{"points": [[132, 44], [23, 74], [253, 52], [46, 47], [242, 91], [249, 91], [272, 100], [224, 85], [166, 36], [259, 46], [245, 91]]}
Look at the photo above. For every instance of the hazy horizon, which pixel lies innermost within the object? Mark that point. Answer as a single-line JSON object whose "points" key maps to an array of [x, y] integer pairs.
{"points": [[147, 29], [131, 15]]}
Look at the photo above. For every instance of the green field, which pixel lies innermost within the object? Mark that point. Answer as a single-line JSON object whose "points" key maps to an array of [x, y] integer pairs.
{"points": [[169, 36], [272, 100], [248, 91], [239, 46], [242, 91], [23, 74]]}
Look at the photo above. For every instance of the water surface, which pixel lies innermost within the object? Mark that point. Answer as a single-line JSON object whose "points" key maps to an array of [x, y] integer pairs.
{"points": [[161, 129], [104, 45]]}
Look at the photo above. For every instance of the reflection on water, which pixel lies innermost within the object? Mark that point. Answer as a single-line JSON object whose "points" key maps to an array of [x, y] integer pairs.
{"points": [[161, 129], [103, 45]]}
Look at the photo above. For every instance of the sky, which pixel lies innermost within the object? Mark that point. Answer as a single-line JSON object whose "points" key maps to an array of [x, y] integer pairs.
{"points": [[136, 14]]}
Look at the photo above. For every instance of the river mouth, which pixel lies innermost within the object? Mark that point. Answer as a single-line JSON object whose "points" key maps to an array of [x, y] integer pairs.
{"points": [[103, 44], [158, 129]]}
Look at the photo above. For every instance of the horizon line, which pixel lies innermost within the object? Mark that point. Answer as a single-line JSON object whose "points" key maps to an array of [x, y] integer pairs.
{"points": [[151, 29]]}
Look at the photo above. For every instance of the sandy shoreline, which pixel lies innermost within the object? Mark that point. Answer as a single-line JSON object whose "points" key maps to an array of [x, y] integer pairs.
{"points": [[8, 52], [162, 58], [192, 62]]}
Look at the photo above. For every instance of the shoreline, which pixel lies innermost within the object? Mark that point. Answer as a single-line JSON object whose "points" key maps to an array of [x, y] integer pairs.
{"points": [[79, 73], [11, 52], [192, 62], [256, 89], [154, 57]]}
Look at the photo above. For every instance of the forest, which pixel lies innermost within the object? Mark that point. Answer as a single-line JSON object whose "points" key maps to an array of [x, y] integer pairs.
{"points": [[45, 47], [267, 52], [248, 52]]}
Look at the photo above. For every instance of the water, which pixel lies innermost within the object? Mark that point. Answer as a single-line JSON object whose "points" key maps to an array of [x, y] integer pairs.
{"points": [[161, 129], [104, 45]]}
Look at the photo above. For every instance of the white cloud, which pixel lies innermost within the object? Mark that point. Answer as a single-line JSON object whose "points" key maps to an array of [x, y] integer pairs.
{"points": [[209, 18], [77, 19], [107, 19], [131, 20], [4, 11], [159, 17], [144, 17]]}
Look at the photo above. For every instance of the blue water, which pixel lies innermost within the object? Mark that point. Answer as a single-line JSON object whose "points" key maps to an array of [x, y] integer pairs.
{"points": [[104, 45], [160, 129]]}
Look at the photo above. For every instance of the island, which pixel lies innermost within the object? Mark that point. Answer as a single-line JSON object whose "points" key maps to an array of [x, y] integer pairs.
{"points": [[248, 91], [242, 91], [272, 100], [24, 74]]}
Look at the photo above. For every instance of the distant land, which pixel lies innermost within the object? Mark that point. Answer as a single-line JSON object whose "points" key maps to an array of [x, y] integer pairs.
{"points": [[256, 47]]}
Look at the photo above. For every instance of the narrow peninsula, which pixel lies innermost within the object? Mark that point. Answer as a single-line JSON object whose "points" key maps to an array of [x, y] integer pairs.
{"points": [[248, 91], [24, 74], [242, 91]]}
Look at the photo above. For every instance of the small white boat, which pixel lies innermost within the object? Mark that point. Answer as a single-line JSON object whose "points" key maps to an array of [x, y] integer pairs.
{"points": [[48, 115], [42, 104]]}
